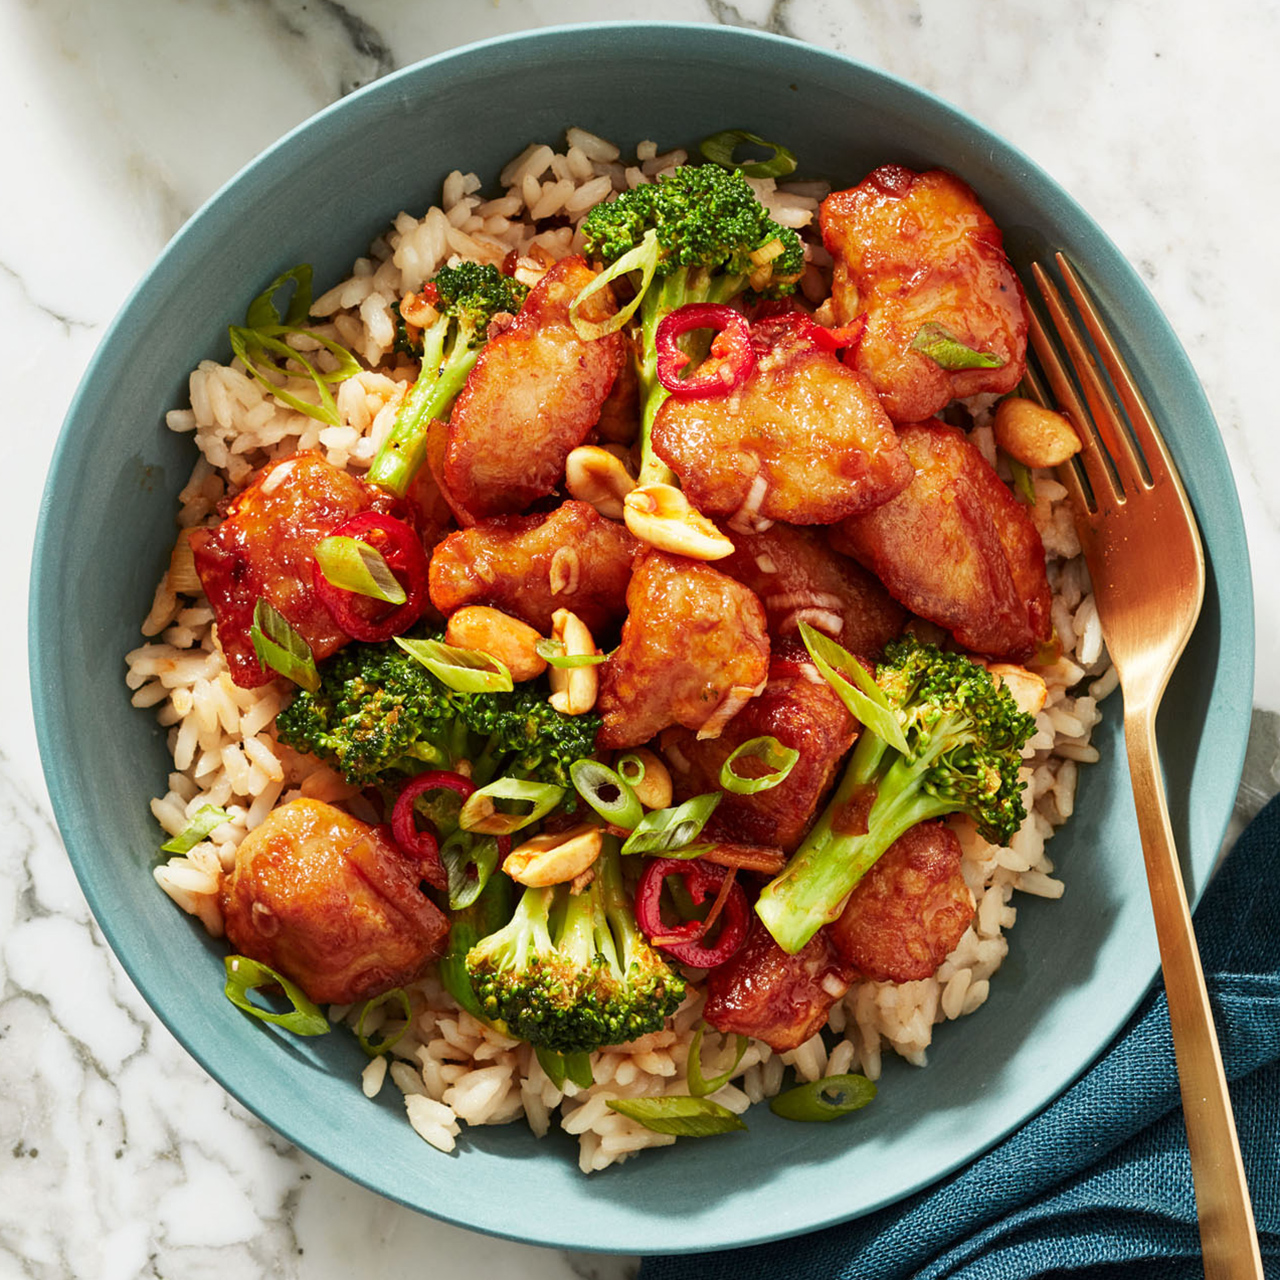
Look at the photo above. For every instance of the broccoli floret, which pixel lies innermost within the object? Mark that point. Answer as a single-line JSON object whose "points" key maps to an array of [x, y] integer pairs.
{"points": [[688, 237], [964, 736], [467, 296], [571, 972], [379, 714]]}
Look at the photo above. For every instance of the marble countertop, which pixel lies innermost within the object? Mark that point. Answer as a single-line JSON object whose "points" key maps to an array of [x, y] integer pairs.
{"points": [[118, 1156]]}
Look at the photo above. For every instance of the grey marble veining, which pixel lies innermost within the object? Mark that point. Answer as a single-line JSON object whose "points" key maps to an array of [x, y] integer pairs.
{"points": [[118, 1156]]}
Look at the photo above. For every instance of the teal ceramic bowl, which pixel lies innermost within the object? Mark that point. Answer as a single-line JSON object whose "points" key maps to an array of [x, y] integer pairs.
{"points": [[1077, 967]]}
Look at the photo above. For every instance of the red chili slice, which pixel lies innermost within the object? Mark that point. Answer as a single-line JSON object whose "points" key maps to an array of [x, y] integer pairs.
{"points": [[684, 941], [416, 842], [734, 360], [400, 547]]}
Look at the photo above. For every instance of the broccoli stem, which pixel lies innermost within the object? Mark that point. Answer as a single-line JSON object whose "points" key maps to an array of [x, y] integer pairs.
{"points": [[405, 449], [813, 887], [689, 284], [488, 913]]}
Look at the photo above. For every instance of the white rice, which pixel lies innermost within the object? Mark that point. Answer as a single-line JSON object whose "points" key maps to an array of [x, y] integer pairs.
{"points": [[452, 1069]]}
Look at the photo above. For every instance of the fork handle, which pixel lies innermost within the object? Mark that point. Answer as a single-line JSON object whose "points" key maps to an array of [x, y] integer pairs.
{"points": [[1228, 1238]]}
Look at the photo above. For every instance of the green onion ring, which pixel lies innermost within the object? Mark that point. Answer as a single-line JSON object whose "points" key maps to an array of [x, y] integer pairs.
{"points": [[479, 813], [686, 1117], [826, 1099], [462, 670], [699, 1085], [663, 830], [377, 1050], [768, 749], [591, 779], [244, 975]]}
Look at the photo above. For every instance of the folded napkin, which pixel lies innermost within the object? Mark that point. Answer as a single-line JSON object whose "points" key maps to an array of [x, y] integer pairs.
{"points": [[1099, 1183]]}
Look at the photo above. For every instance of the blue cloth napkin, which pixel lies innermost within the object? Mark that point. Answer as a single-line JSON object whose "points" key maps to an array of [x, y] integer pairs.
{"points": [[1098, 1184]]}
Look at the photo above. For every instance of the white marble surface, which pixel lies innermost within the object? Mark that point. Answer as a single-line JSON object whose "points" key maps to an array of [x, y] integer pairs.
{"points": [[118, 1156]]}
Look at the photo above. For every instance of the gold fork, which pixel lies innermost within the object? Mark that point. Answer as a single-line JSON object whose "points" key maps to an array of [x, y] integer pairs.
{"points": [[1147, 566]]}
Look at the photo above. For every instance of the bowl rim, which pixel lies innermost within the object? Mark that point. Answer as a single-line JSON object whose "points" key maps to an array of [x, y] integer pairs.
{"points": [[52, 719]]}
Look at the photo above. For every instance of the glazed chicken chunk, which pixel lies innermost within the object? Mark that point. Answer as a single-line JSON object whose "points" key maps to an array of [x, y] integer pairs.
{"points": [[265, 547], [798, 579], [780, 999], [330, 903], [693, 646], [800, 714], [908, 912], [535, 392], [804, 440], [914, 250], [957, 547], [530, 566]]}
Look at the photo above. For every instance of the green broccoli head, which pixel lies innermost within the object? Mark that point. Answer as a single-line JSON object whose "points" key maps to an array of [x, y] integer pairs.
{"points": [[379, 714], [473, 293], [966, 728], [702, 216], [571, 972]]}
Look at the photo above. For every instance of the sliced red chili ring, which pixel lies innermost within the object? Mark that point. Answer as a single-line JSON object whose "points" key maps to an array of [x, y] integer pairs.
{"points": [[733, 358], [684, 941], [424, 845], [398, 544]]}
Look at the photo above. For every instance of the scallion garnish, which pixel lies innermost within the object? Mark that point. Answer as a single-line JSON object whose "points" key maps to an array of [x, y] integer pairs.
{"points": [[206, 820], [562, 1066], [684, 1116], [606, 793], [719, 149], [552, 652], [381, 1047], [462, 670], [469, 860], [355, 566], [262, 335], [947, 351], [1022, 479], [631, 768], [699, 1085], [281, 648], [781, 760], [479, 813], [854, 686], [245, 975], [826, 1099], [664, 830]]}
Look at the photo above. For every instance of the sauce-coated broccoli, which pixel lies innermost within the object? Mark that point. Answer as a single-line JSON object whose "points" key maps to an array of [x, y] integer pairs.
{"points": [[379, 713], [571, 972], [699, 234], [467, 296], [964, 735]]}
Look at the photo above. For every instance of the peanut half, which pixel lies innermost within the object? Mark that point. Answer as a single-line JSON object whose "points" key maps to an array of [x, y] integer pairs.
{"points": [[512, 642], [660, 515], [573, 689], [598, 476], [555, 857], [1034, 435]]}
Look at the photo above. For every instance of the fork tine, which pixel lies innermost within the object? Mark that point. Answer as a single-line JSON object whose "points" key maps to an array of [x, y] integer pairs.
{"points": [[1159, 464], [1092, 458], [1129, 468]]}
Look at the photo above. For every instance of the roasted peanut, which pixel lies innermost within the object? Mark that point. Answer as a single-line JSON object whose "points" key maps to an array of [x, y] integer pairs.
{"points": [[654, 789], [1025, 687], [598, 476], [555, 857], [573, 689], [1034, 435], [512, 642], [660, 515]]}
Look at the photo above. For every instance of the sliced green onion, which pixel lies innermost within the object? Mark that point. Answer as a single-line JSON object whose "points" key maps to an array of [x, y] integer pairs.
{"points": [[631, 768], [244, 975], [207, 819], [480, 814], [768, 749], [1022, 479], [559, 1066], [552, 651], [855, 687], [606, 793], [947, 351], [355, 566], [381, 1047], [469, 860], [262, 310], [827, 1099], [462, 670], [663, 830], [699, 1086], [719, 149], [686, 1117], [643, 258], [281, 648]]}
